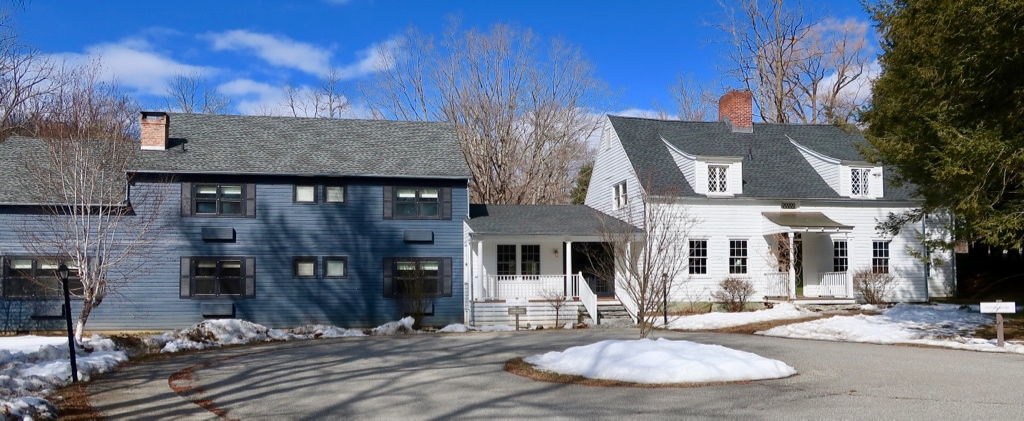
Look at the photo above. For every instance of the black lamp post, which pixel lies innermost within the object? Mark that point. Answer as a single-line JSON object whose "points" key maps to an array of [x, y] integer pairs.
{"points": [[664, 290], [62, 272]]}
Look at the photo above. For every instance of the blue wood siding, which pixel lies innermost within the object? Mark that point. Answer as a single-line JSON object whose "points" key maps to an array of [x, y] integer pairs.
{"points": [[280, 231]]}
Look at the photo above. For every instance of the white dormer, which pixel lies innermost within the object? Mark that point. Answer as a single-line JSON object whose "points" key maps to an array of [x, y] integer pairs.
{"points": [[709, 175], [853, 179]]}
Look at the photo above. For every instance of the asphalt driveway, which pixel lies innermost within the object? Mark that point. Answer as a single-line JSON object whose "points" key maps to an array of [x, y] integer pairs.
{"points": [[440, 376]]}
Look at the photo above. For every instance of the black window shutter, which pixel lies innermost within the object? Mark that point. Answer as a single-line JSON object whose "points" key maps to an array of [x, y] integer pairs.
{"points": [[185, 288], [186, 199], [388, 283], [250, 277], [250, 200], [446, 203], [446, 277], [388, 198]]}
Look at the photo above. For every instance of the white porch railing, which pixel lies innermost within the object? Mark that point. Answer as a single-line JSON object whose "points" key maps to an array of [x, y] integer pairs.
{"points": [[777, 284], [834, 284], [530, 286], [589, 299]]}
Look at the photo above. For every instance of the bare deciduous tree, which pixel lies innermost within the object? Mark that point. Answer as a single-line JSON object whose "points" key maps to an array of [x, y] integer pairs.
{"points": [[325, 100], [86, 148], [799, 69], [695, 101], [644, 255], [26, 78], [190, 94], [556, 299], [520, 108]]}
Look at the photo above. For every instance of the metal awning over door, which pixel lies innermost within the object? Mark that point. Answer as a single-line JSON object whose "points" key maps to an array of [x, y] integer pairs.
{"points": [[778, 222]]}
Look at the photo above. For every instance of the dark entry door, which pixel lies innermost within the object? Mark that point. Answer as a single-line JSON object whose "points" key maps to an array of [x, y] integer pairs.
{"points": [[593, 259]]}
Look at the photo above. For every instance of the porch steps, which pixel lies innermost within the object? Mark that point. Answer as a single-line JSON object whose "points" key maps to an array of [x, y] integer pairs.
{"points": [[611, 313]]}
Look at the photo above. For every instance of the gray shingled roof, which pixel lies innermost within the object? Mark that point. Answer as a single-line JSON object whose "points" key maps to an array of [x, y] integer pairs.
{"points": [[772, 166], [14, 153], [307, 146], [577, 220]]}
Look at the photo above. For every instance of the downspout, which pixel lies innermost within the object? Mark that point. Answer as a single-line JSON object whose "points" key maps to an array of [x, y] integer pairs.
{"points": [[952, 237]]}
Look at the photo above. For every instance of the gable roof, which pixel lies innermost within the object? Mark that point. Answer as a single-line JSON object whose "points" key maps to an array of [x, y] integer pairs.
{"points": [[231, 144], [772, 166], [572, 220], [24, 161]]}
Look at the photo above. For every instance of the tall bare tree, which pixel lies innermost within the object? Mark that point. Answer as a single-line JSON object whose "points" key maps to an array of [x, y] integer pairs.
{"points": [[86, 146], [324, 100], [27, 77], [695, 100], [190, 93], [800, 69], [520, 106], [644, 255]]}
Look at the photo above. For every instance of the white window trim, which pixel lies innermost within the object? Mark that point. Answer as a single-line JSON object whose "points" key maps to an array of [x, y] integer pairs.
{"points": [[725, 176], [620, 196]]}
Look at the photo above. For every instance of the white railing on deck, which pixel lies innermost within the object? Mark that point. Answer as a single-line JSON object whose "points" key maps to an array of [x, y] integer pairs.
{"points": [[530, 286], [833, 284], [777, 284], [589, 299]]}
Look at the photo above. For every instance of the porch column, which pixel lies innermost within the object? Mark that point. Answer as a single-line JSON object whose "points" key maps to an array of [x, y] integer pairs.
{"points": [[792, 267], [849, 260], [568, 269], [479, 271]]}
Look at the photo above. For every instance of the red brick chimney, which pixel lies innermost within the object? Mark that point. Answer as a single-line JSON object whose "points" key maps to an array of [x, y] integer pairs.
{"points": [[736, 108], [154, 130]]}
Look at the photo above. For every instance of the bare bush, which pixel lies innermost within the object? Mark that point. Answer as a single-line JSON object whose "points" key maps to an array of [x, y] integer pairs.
{"points": [[556, 300], [734, 293], [874, 287]]}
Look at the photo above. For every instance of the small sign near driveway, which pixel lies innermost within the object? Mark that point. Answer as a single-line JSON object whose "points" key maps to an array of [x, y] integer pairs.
{"points": [[516, 311], [999, 307]]}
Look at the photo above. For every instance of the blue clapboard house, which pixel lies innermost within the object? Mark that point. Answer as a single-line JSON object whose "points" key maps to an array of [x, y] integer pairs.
{"points": [[280, 221]]}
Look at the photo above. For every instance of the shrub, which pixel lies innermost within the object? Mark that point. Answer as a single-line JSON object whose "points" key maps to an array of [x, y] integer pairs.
{"points": [[873, 287], [734, 293]]}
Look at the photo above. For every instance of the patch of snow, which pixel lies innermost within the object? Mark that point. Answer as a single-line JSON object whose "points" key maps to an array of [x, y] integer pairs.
{"points": [[455, 328], [28, 408], [707, 321], [661, 361], [497, 328], [391, 328]]}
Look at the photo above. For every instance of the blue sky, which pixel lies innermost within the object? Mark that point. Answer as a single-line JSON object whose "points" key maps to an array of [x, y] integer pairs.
{"points": [[249, 49]]}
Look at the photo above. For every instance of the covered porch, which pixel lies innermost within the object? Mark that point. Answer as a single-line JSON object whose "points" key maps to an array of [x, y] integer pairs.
{"points": [[536, 257], [811, 258]]}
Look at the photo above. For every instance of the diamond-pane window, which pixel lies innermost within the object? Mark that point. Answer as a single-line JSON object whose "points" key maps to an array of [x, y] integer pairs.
{"points": [[717, 181], [859, 181]]}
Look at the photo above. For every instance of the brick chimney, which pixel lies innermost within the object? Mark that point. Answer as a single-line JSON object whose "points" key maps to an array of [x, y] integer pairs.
{"points": [[736, 108], [154, 130]]}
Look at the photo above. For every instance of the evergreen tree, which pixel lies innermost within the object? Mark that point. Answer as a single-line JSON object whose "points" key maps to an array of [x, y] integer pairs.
{"points": [[948, 110]]}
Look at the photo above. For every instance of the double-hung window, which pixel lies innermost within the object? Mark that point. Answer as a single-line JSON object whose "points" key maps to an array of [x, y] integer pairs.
{"points": [[880, 256], [698, 263], [506, 259], [619, 196], [531, 260], [215, 276], [859, 178], [840, 256], [718, 181], [218, 199], [737, 256], [412, 277], [36, 278], [311, 193], [405, 202]]}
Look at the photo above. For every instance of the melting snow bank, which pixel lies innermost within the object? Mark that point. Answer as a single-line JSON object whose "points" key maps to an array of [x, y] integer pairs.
{"points": [[707, 321], [942, 325], [661, 361], [461, 328]]}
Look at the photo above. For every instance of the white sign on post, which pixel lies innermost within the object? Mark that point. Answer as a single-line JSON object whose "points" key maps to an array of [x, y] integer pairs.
{"points": [[999, 307]]}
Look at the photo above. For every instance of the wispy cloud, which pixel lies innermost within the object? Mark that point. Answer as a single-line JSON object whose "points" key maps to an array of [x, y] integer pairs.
{"points": [[369, 60], [134, 64], [279, 51], [338, 2]]}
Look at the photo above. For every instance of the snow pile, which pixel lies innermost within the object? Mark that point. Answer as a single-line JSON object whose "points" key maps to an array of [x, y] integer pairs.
{"points": [[34, 366], [391, 328], [211, 333], [661, 361], [461, 328], [707, 321], [941, 325]]}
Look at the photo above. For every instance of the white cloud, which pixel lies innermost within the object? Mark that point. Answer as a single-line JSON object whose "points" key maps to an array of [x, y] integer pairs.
{"points": [[277, 50], [859, 90], [254, 98], [369, 60], [135, 65]]}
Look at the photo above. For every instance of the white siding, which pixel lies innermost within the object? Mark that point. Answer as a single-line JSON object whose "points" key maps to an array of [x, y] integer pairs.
{"points": [[827, 170], [720, 220], [612, 166], [687, 165]]}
